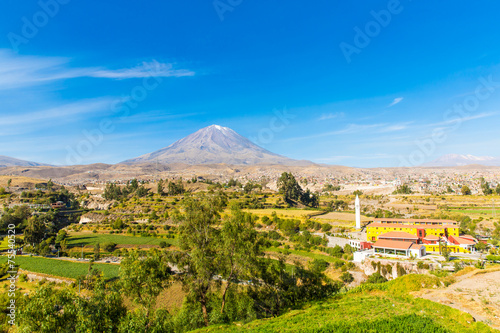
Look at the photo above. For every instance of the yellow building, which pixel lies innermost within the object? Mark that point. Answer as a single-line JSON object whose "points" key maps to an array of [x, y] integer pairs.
{"points": [[376, 229], [426, 232]]}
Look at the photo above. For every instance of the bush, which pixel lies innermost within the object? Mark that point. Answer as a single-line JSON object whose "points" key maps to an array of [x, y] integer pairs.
{"points": [[346, 277], [109, 246], [422, 265], [400, 269], [163, 244], [376, 278]]}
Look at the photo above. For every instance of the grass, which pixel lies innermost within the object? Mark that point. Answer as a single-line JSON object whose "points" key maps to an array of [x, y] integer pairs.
{"points": [[4, 244], [18, 180], [62, 268], [473, 211], [85, 238], [312, 255], [376, 310]]}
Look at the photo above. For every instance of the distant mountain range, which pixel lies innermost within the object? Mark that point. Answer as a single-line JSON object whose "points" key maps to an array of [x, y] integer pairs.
{"points": [[212, 145], [452, 160], [6, 161]]}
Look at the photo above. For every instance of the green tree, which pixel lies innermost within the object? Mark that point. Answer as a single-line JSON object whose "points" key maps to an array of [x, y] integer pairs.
{"points": [[403, 189], [35, 230], [239, 250], [481, 246], [160, 187], [143, 278], [50, 185], [198, 256], [97, 251], [466, 190], [289, 187], [175, 188], [48, 310], [485, 187]]}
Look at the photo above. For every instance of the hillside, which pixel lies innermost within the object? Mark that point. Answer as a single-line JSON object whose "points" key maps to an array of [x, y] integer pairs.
{"points": [[6, 161], [370, 308]]}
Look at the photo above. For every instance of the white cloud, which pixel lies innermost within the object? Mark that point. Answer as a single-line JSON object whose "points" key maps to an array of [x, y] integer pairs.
{"points": [[60, 113], [146, 69], [395, 127], [327, 116], [395, 101], [23, 71], [459, 119]]}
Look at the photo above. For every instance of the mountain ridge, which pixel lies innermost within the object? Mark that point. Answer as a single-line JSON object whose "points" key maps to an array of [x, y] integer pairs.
{"points": [[7, 161], [213, 145], [453, 160]]}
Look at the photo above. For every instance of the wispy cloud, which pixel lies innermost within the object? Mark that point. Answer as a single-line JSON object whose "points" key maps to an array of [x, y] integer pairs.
{"points": [[464, 119], [156, 116], [396, 101], [146, 69], [327, 116], [60, 113], [22, 71], [395, 127]]}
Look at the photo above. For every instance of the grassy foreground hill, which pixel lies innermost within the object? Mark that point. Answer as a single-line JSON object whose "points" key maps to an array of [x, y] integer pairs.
{"points": [[382, 308]]}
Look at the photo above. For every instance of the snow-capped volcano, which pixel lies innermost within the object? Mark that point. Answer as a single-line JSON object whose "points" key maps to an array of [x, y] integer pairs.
{"points": [[215, 144]]}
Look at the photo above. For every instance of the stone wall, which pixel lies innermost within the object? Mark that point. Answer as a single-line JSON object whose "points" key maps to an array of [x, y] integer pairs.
{"points": [[409, 266]]}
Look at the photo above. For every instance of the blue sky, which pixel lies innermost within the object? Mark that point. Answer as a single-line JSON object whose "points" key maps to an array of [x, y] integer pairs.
{"points": [[376, 84]]}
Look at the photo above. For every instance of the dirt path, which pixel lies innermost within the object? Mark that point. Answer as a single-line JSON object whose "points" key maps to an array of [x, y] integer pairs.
{"points": [[477, 293]]}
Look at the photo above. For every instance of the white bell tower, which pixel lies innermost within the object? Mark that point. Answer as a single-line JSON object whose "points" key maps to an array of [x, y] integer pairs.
{"points": [[357, 206]]}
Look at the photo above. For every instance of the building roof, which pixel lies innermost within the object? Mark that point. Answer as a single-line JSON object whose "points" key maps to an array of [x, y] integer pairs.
{"points": [[431, 237], [392, 244], [398, 234], [467, 237], [415, 246], [462, 241], [414, 220], [411, 226]]}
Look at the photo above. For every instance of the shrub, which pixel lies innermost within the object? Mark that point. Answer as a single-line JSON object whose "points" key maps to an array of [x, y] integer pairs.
{"points": [[347, 277], [400, 269], [376, 278], [109, 246]]}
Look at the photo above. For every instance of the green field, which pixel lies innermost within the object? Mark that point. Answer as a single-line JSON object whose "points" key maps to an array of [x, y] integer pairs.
{"points": [[63, 268], [79, 239], [475, 211], [290, 213]]}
